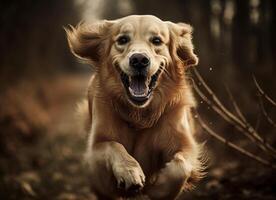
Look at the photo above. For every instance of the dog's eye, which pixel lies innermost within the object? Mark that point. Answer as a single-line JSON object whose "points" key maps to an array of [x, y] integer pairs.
{"points": [[123, 40], [156, 41]]}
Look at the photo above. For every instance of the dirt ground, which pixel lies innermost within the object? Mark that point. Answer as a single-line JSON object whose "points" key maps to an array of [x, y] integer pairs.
{"points": [[50, 166]]}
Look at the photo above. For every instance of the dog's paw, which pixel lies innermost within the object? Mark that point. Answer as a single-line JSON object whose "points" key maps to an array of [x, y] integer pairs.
{"points": [[169, 179], [130, 176]]}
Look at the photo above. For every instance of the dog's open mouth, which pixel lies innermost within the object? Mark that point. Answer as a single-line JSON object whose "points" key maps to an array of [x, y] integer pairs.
{"points": [[139, 87]]}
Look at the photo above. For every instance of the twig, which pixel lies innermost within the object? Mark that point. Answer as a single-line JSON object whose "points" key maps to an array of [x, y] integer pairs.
{"points": [[234, 146], [235, 120], [214, 107], [226, 118], [268, 118], [236, 107], [261, 91]]}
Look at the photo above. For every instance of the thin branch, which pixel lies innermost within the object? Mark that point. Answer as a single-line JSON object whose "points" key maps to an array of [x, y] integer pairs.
{"points": [[215, 107], [261, 91], [236, 107], [234, 146], [235, 120], [268, 118], [226, 118]]}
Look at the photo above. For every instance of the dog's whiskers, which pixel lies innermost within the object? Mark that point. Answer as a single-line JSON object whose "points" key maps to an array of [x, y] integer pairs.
{"points": [[166, 72]]}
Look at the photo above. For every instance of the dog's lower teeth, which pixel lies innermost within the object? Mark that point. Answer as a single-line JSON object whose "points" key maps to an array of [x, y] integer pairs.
{"points": [[136, 95]]}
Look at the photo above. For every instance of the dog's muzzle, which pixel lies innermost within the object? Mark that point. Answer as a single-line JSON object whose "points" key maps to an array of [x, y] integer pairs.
{"points": [[139, 85]]}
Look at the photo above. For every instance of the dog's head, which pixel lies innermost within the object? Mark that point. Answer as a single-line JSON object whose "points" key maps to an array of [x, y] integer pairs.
{"points": [[132, 54]]}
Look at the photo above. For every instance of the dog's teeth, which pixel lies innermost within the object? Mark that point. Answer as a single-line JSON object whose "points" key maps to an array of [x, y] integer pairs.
{"points": [[136, 95], [148, 80]]}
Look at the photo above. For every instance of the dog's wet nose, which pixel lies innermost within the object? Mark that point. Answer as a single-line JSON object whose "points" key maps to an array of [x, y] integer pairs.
{"points": [[139, 61]]}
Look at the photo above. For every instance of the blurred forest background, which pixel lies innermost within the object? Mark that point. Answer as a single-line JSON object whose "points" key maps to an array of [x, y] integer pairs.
{"points": [[40, 148]]}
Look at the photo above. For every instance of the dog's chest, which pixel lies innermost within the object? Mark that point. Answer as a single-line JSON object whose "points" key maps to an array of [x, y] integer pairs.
{"points": [[146, 151]]}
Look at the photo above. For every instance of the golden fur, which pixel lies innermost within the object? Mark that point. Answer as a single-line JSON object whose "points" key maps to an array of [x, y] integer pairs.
{"points": [[146, 151]]}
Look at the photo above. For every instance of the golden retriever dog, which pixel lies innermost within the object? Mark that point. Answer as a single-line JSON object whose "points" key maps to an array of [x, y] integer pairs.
{"points": [[141, 142]]}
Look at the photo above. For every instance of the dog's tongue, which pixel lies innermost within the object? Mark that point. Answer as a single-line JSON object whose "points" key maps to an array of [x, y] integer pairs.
{"points": [[138, 86]]}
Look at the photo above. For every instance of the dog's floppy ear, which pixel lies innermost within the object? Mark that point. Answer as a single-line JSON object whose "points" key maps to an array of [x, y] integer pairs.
{"points": [[88, 41], [181, 39]]}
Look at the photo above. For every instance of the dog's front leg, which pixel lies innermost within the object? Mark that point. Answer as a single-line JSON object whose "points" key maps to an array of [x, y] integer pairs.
{"points": [[171, 179], [109, 161]]}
